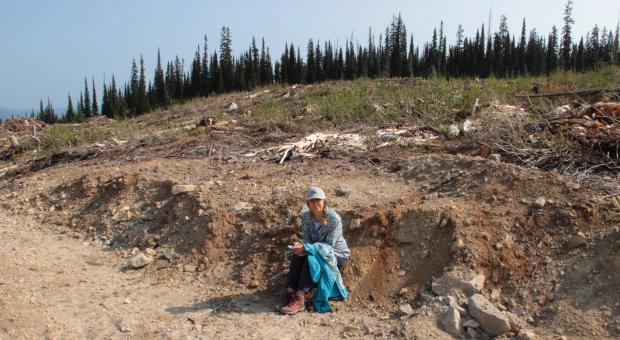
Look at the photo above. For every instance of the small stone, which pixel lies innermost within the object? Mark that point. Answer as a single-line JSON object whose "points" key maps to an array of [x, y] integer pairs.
{"points": [[342, 191], [189, 268], [242, 207], [495, 157], [183, 189], [431, 197], [495, 293], [140, 260], [456, 245], [402, 273], [453, 130], [150, 252], [405, 309], [253, 285], [170, 255], [539, 202], [467, 282], [526, 334], [451, 321], [127, 301], [472, 333], [355, 224], [471, 323], [576, 241], [232, 107]]}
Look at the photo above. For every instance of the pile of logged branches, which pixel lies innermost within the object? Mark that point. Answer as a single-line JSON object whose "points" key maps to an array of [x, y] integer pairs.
{"points": [[576, 142]]}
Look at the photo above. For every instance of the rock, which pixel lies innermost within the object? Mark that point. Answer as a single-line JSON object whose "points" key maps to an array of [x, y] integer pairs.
{"points": [[495, 293], [342, 191], [140, 260], [468, 126], [472, 333], [453, 130], [471, 323], [516, 323], [491, 320], [405, 309], [495, 157], [527, 334], [576, 241], [170, 255], [355, 224], [189, 268], [431, 197], [402, 273], [376, 108], [182, 189], [539, 202], [467, 282], [451, 322], [242, 207], [232, 107], [456, 245], [558, 112], [253, 285], [150, 252], [123, 215]]}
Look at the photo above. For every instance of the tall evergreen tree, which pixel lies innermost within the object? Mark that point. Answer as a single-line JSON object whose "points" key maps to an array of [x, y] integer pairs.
{"points": [[142, 103], [134, 83], [204, 73], [87, 107], [567, 41], [95, 109], [226, 59], [70, 114], [159, 84]]}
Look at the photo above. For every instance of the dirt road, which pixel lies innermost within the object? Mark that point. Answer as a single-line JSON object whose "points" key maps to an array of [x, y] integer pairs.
{"points": [[57, 287]]}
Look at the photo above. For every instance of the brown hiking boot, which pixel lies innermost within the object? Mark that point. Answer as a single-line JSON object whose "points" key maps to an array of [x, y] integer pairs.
{"points": [[297, 304], [286, 297]]}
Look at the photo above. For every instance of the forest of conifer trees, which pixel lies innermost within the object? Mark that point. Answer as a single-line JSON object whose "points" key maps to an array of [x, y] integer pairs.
{"points": [[392, 54]]}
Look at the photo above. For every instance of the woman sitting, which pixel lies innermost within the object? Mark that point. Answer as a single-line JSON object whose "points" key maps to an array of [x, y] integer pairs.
{"points": [[318, 258]]}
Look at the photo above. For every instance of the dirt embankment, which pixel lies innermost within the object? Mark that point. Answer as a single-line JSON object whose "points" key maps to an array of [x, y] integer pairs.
{"points": [[546, 246]]}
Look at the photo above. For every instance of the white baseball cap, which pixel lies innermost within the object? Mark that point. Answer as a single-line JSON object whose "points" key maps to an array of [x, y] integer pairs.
{"points": [[315, 193]]}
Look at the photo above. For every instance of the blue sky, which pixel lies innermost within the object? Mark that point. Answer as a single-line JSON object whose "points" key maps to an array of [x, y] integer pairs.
{"points": [[48, 47]]}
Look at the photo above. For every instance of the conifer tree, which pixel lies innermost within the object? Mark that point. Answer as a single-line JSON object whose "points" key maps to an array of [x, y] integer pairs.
{"points": [[217, 79], [310, 63], [142, 102], [254, 59], [70, 114], [567, 41], [226, 59], [195, 77], [204, 72], [87, 108], [159, 84], [95, 109], [131, 95]]}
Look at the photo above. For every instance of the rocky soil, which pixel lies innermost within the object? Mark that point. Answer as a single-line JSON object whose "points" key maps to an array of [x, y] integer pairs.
{"points": [[188, 239]]}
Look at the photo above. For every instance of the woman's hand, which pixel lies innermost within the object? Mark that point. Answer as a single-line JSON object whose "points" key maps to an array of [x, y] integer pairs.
{"points": [[298, 248]]}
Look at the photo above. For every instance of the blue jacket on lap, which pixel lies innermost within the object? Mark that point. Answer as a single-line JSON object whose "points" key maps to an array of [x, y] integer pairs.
{"points": [[325, 274]]}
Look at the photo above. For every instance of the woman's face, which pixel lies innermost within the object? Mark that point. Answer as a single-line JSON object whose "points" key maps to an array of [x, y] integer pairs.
{"points": [[316, 205]]}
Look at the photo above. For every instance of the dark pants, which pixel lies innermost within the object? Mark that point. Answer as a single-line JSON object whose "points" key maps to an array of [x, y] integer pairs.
{"points": [[299, 272]]}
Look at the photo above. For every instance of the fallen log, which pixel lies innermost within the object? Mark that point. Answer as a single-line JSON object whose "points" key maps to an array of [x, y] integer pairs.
{"points": [[588, 92]]}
